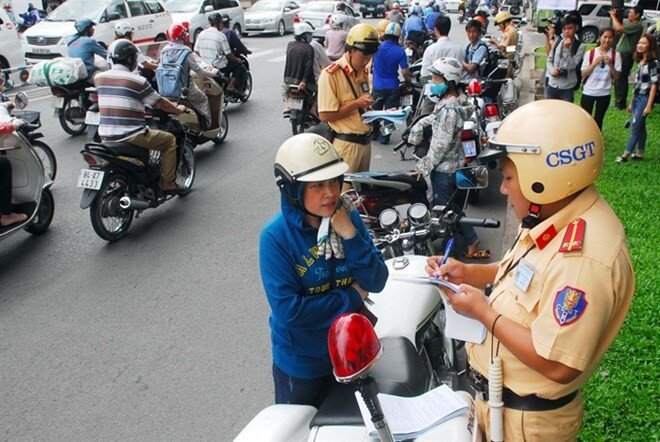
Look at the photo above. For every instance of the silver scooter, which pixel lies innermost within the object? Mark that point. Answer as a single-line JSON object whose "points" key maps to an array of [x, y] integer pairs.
{"points": [[30, 186]]}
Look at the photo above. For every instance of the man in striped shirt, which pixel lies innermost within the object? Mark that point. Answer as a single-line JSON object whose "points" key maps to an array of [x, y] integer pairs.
{"points": [[122, 98]]}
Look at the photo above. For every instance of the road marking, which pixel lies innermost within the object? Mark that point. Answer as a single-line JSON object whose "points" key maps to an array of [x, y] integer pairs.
{"points": [[262, 53], [277, 59]]}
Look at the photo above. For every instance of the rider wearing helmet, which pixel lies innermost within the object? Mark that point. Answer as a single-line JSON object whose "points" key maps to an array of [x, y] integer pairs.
{"points": [[414, 28], [124, 31], [395, 15], [344, 94], [82, 45], [388, 60], [558, 297], [445, 153], [238, 49], [177, 34], [380, 28], [335, 38], [430, 18], [213, 47], [122, 99], [299, 64], [317, 262]]}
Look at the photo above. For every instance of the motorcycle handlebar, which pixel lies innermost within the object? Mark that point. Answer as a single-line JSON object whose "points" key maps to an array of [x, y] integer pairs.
{"points": [[488, 223], [399, 146]]}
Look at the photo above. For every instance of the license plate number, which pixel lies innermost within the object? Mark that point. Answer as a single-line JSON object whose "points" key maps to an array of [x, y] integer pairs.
{"points": [[92, 118], [90, 179], [295, 104], [58, 102], [470, 148], [41, 51], [406, 100]]}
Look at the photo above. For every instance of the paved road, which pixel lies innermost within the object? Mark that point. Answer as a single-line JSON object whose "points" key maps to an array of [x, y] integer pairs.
{"points": [[164, 334]]}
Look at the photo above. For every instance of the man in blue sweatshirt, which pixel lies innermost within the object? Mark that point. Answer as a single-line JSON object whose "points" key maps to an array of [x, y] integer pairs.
{"points": [[83, 46], [317, 261]]}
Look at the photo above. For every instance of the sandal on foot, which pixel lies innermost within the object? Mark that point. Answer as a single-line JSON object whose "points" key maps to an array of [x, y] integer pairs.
{"points": [[481, 254], [621, 159], [636, 156]]}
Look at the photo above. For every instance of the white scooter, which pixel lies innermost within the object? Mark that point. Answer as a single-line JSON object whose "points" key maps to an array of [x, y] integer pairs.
{"points": [[30, 185], [419, 354]]}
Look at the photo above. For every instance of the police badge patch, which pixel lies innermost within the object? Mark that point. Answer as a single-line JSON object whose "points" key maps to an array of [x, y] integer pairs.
{"points": [[569, 305]]}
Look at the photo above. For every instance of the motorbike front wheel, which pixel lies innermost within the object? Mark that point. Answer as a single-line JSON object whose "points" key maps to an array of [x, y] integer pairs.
{"points": [[72, 116], [248, 88], [224, 128], [47, 157], [185, 171], [45, 213], [110, 221]]}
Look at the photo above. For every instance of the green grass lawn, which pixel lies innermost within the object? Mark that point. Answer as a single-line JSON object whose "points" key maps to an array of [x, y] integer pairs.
{"points": [[622, 399]]}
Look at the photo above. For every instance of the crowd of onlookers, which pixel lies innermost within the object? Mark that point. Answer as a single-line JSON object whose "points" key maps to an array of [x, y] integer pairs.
{"points": [[570, 66]]}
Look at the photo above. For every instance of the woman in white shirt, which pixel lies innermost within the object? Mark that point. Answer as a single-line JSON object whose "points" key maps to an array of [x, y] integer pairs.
{"points": [[600, 66]]}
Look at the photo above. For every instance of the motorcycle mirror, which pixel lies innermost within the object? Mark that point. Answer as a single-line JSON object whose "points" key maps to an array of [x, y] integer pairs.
{"points": [[353, 346], [472, 178], [208, 8], [21, 100]]}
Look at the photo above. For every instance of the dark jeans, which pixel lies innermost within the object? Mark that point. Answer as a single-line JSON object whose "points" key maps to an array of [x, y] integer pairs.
{"points": [[621, 83], [387, 99], [293, 390], [5, 186], [444, 187], [638, 128], [559, 94], [602, 103], [238, 71]]}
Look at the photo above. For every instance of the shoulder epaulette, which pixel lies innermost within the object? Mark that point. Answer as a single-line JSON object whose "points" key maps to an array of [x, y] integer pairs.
{"points": [[332, 68]]}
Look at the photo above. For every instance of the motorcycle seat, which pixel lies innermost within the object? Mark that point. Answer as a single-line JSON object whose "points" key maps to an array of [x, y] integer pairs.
{"points": [[406, 179], [127, 149], [68, 89], [400, 371]]}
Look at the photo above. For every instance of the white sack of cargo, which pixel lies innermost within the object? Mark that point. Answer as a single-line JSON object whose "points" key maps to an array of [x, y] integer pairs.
{"points": [[58, 72]]}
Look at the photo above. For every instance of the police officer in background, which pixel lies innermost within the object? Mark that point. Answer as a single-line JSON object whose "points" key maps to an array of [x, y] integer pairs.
{"points": [[344, 94], [557, 299]]}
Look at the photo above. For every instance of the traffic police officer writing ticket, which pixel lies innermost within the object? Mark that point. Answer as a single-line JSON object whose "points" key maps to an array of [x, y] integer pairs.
{"points": [[557, 299], [344, 94]]}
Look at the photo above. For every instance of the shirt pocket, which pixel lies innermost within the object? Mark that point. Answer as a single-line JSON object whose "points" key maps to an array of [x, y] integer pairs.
{"points": [[527, 301]]}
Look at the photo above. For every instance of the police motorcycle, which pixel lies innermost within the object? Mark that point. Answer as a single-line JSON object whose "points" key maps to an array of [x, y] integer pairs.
{"points": [[31, 186], [33, 118], [418, 355]]}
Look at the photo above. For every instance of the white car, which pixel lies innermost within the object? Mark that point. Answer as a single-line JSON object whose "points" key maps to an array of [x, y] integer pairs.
{"points": [[196, 13], [11, 56], [319, 15], [47, 39], [271, 16]]}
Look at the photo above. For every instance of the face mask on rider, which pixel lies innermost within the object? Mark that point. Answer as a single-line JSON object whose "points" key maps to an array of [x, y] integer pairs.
{"points": [[435, 91]]}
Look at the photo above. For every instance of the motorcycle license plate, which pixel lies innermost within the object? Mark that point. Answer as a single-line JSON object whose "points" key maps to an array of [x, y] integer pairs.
{"points": [[295, 104], [58, 102], [409, 52], [90, 179], [406, 100], [470, 148], [92, 118]]}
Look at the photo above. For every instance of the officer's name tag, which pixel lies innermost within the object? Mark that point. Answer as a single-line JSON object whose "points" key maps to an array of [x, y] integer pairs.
{"points": [[524, 275], [364, 86]]}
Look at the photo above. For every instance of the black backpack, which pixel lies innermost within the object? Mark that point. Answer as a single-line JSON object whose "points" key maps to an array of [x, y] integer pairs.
{"points": [[574, 48], [490, 62]]}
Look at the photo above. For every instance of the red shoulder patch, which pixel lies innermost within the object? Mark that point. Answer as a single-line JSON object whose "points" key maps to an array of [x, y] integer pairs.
{"points": [[574, 236]]}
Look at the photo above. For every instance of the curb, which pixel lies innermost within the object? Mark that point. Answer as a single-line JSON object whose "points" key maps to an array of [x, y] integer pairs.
{"points": [[527, 95]]}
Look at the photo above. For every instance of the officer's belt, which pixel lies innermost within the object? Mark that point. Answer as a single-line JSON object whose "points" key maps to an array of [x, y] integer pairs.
{"points": [[353, 138], [511, 400]]}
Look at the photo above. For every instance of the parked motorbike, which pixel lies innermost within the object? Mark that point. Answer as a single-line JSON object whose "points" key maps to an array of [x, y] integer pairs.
{"points": [[418, 356], [299, 103], [31, 187], [124, 180], [70, 104], [43, 150], [30, 18]]}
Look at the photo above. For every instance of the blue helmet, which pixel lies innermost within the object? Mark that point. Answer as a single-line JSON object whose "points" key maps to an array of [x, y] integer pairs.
{"points": [[416, 10], [83, 24]]}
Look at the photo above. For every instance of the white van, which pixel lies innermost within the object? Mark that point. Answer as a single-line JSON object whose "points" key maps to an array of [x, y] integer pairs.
{"points": [[11, 56], [196, 12], [47, 39]]}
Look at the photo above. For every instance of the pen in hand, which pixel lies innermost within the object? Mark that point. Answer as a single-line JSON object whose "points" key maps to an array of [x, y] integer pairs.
{"points": [[445, 256]]}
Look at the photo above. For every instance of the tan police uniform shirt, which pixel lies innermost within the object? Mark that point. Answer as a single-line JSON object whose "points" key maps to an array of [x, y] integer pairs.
{"points": [[335, 91], [509, 38], [576, 301]]}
